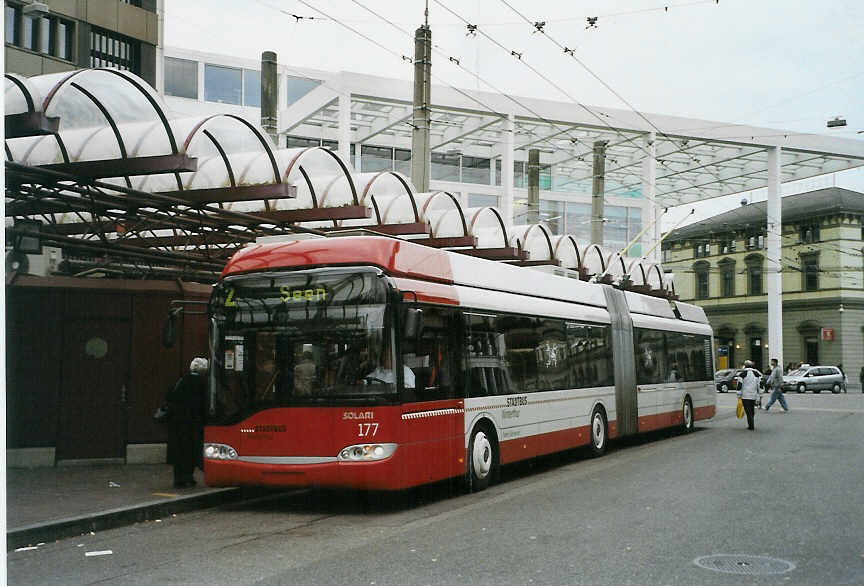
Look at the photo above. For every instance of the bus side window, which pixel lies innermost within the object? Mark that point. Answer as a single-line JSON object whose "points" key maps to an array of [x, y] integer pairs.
{"points": [[486, 350]]}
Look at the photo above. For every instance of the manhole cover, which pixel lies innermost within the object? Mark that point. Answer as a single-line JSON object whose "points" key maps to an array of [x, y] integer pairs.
{"points": [[752, 565]]}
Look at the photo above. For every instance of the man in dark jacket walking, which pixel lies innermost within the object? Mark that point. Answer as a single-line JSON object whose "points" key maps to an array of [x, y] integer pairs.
{"points": [[186, 407]]}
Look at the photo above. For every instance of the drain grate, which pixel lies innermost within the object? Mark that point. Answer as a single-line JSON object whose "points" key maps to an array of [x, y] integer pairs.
{"points": [[750, 565]]}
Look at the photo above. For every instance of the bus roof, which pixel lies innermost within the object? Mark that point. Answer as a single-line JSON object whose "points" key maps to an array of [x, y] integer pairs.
{"points": [[403, 258]]}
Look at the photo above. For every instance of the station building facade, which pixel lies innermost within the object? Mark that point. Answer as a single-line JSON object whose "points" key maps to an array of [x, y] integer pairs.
{"points": [[720, 264]]}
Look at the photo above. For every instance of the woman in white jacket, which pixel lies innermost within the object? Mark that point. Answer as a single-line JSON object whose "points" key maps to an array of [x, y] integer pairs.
{"points": [[748, 391]]}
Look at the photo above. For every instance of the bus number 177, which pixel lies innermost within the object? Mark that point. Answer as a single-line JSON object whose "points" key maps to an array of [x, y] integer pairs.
{"points": [[367, 429]]}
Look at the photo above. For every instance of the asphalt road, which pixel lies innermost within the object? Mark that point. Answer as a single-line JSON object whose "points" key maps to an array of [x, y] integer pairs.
{"points": [[791, 494]]}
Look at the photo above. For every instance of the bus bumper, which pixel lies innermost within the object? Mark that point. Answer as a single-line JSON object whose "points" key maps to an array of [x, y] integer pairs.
{"points": [[380, 475]]}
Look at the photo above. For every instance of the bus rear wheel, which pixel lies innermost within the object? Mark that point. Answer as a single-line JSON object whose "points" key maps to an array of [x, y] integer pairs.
{"points": [[687, 421], [599, 432], [481, 459]]}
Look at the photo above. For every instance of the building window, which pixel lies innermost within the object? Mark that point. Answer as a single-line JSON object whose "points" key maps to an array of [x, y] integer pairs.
{"points": [[808, 234], [810, 272], [754, 275], [755, 242], [702, 285], [666, 255], [49, 35], [44, 38], [615, 227], [223, 84], [293, 142], [297, 87], [700, 270], [727, 278], [402, 161], [520, 174], [475, 170], [30, 30], [252, 88], [445, 167], [702, 249], [482, 200], [181, 78], [65, 40], [634, 227], [577, 220], [727, 246], [552, 213], [108, 49], [12, 13], [374, 159]]}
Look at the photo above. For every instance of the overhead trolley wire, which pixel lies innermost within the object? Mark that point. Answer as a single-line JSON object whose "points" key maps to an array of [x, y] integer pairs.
{"points": [[486, 107], [520, 57], [547, 138], [594, 75]]}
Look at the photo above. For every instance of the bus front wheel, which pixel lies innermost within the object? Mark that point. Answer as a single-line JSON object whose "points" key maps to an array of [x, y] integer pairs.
{"points": [[599, 432], [687, 421], [481, 458]]}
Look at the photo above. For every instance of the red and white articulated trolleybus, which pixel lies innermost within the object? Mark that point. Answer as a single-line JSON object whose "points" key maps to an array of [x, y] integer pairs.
{"points": [[377, 363]]}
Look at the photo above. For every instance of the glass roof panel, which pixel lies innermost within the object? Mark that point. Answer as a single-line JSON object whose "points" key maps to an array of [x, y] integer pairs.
{"points": [[566, 251], [15, 99], [35, 150], [485, 224]]}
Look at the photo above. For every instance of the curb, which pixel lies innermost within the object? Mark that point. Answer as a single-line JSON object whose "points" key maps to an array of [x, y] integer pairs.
{"points": [[113, 518]]}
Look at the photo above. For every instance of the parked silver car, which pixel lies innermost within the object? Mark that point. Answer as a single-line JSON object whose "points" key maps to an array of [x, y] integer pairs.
{"points": [[814, 378]]}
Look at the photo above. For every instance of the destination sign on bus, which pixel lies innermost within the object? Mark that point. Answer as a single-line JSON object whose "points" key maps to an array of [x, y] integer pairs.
{"points": [[290, 295], [287, 295]]}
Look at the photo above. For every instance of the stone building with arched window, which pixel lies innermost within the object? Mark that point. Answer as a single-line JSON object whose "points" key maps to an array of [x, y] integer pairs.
{"points": [[721, 265]]}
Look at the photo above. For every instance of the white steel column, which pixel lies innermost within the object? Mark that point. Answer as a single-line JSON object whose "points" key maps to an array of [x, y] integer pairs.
{"points": [[506, 202], [344, 131], [774, 229], [649, 192]]}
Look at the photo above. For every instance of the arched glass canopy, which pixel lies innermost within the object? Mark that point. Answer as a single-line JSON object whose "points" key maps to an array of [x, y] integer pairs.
{"points": [[567, 252], [115, 128], [20, 95], [535, 240]]}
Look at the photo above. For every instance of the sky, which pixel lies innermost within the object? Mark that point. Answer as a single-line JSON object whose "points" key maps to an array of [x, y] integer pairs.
{"points": [[779, 64]]}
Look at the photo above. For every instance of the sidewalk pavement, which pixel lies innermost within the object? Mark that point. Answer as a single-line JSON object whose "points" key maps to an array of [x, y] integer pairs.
{"points": [[46, 504]]}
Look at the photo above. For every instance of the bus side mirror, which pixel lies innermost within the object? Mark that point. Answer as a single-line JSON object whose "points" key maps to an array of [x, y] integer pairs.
{"points": [[169, 330], [413, 323]]}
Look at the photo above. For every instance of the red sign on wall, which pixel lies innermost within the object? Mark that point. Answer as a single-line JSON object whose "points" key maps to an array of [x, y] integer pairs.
{"points": [[827, 334]]}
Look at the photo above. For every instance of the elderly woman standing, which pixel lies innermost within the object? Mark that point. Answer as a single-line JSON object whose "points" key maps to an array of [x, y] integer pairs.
{"points": [[186, 407], [748, 392]]}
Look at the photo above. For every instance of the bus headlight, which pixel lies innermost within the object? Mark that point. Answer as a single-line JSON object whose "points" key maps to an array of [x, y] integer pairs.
{"points": [[219, 452], [366, 452]]}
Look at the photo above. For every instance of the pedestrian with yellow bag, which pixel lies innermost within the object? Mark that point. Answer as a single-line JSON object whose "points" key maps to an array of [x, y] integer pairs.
{"points": [[748, 392]]}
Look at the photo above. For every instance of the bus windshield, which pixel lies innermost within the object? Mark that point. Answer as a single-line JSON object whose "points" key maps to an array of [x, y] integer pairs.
{"points": [[313, 337]]}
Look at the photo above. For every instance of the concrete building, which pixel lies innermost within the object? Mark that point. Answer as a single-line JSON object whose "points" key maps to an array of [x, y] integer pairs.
{"points": [[720, 264], [53, 36]]}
